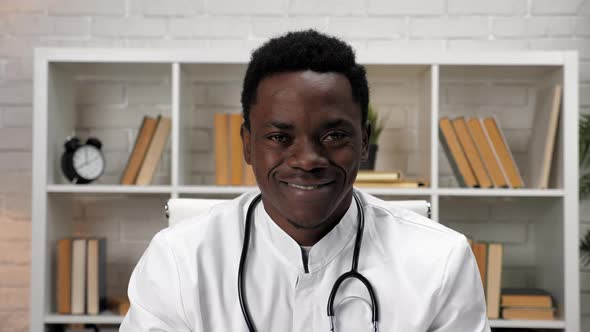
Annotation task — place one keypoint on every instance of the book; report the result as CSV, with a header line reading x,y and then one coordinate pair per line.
x,y
468,145
64,276
222,166
542,141
455,154
503,152
119,304
96,276
378,176
154,151
236,150
249,177
528,313
142,141
526,297
480,251
484,147
78,277
494,279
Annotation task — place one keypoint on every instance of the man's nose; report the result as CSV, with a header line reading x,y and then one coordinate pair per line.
x,y
307,155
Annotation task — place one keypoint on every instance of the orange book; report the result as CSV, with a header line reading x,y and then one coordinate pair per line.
x,y
236,150
494,279
526,297
487,153
154,152
503,152
480,251
222,176
249,178
144,136
455,154
64,276
528,313
468,145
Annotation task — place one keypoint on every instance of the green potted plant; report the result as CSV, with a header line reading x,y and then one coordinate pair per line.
x,y
584,183
376,129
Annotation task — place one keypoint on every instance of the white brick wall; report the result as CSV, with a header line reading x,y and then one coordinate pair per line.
x,y
112,109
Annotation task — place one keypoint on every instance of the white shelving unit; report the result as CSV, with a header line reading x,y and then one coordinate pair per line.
x,y
186,78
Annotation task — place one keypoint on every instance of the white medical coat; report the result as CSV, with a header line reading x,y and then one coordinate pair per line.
x,y
424,275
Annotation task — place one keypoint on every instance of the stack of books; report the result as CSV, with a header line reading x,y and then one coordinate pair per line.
x,y
489,257
386,179
478,153
527,304
147,151
81,276
230,166
481,158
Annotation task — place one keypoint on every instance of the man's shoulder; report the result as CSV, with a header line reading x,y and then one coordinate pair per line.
x,y
392,220
214,224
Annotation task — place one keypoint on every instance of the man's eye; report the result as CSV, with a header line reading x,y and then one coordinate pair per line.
x,y
278,138
334,136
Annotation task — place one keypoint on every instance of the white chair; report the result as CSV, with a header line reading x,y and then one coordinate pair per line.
x,y
181,208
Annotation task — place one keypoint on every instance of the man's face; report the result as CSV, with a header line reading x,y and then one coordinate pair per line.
x,y
305,144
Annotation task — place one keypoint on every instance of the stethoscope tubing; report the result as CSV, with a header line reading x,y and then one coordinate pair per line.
x,y
353,273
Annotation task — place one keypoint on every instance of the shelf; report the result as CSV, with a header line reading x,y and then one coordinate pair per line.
x,y
108,189
83,319
500,192
237,190
107,92
117,319
528,324
216,190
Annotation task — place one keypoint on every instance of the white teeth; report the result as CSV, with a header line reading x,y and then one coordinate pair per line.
x,y
303,187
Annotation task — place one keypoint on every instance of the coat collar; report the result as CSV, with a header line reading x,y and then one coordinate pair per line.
x,y
322,253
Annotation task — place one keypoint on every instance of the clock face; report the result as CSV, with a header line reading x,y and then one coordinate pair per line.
x,y
88,162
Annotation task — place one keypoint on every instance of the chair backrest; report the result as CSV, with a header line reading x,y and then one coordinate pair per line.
x,y
181,208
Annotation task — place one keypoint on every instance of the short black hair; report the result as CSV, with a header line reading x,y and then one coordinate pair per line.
x,y
304,50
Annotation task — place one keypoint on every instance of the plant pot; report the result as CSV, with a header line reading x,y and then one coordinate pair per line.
x,y
369,164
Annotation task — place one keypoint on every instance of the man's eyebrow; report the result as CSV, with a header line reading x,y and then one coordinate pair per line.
x,y
279,125
337,123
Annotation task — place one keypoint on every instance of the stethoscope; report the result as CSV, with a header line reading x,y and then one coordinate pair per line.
x,y
353,273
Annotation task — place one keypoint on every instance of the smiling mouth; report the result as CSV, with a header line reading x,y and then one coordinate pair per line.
x,y
307,187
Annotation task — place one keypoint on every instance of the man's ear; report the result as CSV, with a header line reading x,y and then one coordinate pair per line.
x,y
245,134
366,139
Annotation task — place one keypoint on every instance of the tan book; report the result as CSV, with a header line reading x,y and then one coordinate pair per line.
x,y
222,166
526,297
78,276
378,176
529,313
542,142
468,145
480,251
236,150
119,304
503,152
249,177
95,276
494,279
484,147
64,276
144,136
155,151
455,154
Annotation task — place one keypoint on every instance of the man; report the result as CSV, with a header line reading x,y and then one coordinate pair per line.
x,y
305,106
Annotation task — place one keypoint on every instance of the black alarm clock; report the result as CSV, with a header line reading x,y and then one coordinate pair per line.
x,y
82,163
